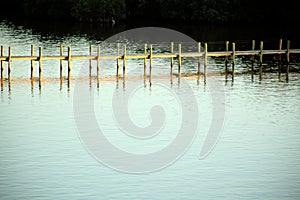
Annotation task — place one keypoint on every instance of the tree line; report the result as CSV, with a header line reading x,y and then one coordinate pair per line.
x,y
210,11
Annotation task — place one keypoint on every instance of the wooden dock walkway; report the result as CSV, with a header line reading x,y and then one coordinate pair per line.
x,y
147,55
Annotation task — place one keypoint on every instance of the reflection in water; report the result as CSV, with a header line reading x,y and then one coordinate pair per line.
x,y
144,78
2,85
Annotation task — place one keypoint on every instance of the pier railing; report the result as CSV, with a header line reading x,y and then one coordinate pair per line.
x,y
202,52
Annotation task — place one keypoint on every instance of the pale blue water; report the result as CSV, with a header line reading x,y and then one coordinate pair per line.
x,y
42,156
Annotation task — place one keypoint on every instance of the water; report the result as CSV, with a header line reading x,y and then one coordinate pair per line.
x,y
43,156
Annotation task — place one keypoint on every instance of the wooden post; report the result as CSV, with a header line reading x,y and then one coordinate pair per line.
x,y
9,61
253,58
118,61
124,62
288,60
150,63
90,60
145,66
226,58
199,58
199,63
205,62
40,63
233,60
179,60
2,63
32,63
280,57
172,59
69,63
145,61
61,62
261,59
98,66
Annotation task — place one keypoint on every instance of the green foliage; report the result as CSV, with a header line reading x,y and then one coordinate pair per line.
x,y
97,10
221,10
184,10
47,8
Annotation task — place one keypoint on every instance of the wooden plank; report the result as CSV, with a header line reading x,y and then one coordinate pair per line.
x,y
219,53
294,51
147,56
192,54
36,58
266,52
164,55
247,53
136,56
81,57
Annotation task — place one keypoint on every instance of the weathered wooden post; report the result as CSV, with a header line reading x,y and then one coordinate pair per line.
x,y
179,60
40,63
205,62
2,64
150,63
280,57
98,66
199,59
9,61
69,63
32,64
145,61
90,60
124,62
118,61
172,59
261,59
226,58
233,61
61,51
252,59
199,63
288,59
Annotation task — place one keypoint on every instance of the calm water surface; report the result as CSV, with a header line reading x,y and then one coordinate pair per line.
x,y
42,156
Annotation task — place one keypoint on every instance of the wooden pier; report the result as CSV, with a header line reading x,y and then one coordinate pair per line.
x,y
202,52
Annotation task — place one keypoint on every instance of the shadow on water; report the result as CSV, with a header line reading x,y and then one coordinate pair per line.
x,y
55,30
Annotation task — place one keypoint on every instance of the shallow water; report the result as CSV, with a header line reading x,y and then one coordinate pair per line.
x,y
43,155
